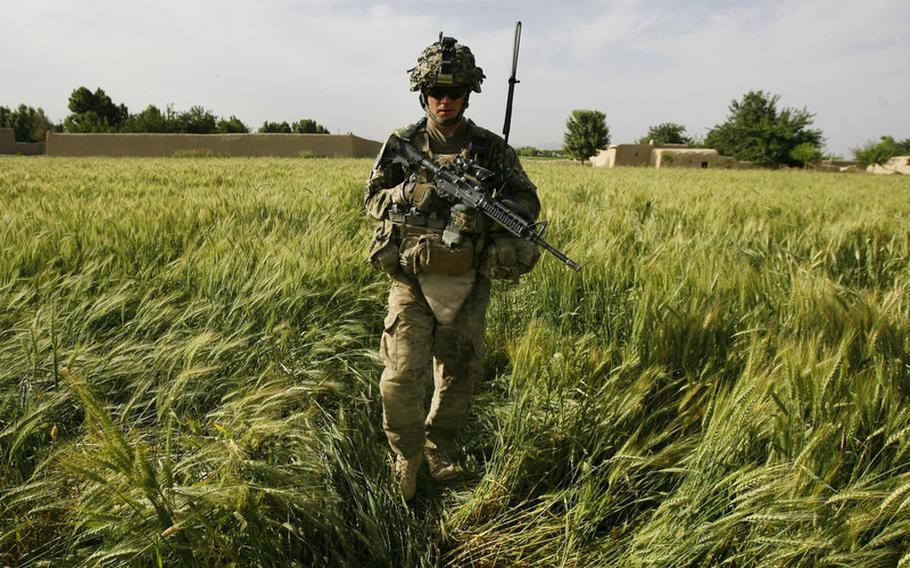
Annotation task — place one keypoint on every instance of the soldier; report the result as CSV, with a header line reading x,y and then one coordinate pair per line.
x,y
439,294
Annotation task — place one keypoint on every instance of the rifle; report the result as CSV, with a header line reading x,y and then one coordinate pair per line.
x,y
456,183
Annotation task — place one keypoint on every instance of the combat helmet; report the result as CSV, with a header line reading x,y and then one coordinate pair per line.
x,y
446,62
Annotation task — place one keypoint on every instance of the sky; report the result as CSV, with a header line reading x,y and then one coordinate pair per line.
x,y
343,63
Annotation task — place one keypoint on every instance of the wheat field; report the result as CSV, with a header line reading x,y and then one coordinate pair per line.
x,y
189,373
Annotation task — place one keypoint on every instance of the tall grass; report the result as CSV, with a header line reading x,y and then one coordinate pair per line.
x,y
188,373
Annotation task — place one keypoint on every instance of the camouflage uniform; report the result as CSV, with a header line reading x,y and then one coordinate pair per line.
x,y
421,333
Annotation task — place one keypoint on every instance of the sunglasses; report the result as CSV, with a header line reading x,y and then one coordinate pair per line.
x,y
440,93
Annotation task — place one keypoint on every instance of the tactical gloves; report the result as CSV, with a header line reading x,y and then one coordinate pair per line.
x,y
467,220
423,196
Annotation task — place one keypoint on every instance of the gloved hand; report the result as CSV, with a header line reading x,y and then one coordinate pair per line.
x,y
468,220
423,196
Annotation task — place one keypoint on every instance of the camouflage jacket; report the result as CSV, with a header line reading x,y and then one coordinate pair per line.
x,y
385,184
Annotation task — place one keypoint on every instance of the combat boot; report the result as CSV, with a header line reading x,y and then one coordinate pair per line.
x,y
406,473
441,467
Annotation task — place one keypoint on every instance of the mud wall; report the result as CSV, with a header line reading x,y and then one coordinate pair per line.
x,y
691,158
158,145
623,155
8,144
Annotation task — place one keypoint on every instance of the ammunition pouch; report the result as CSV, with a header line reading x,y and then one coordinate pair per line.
x,y
383,253
422,251
507,257
413,242
415,219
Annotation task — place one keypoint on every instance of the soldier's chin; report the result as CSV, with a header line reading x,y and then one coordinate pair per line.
x,y
447,121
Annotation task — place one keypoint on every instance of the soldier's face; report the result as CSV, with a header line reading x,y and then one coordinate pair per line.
x,y
445,102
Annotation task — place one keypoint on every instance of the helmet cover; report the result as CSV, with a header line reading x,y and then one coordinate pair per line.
x,y
445,63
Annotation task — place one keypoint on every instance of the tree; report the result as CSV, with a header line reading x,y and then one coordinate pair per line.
x,y
22,123
666,133
41,124
28,124
81,100
197,120
275,128
308,126
755,131
150,120
232,125
106,116
86,122
586,133
879,152
806,153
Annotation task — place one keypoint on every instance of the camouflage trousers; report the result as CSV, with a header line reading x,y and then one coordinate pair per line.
x,y
413,343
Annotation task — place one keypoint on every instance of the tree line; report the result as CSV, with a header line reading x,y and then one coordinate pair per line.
x,y
95,111
28,124
756,130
